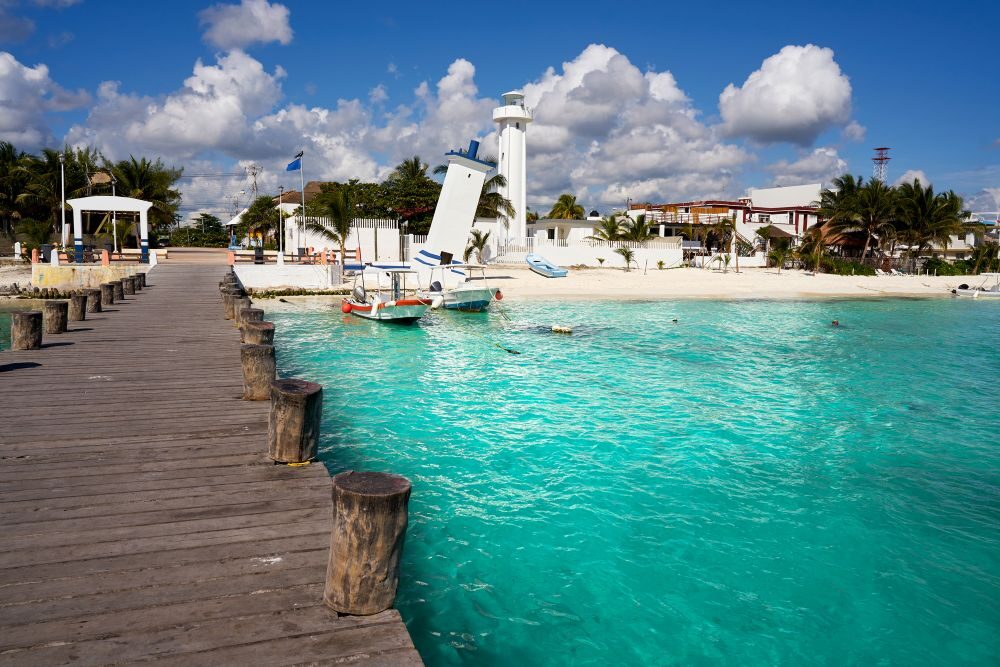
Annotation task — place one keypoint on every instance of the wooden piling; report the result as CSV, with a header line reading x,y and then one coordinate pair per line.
x,y
94,299
119,290
26,330
293,425
259,371
250,315
257,333
239,303
136,283
369,528
128,286
142,278
107,294
77,307
56,314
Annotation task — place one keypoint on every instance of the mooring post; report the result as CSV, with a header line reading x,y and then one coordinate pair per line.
x,y
56,313
370,513
77,307
239,303
94,298
142,278
257,333
259,371
107,294
249,315
136,283
127,285
119,290
26,330
293,425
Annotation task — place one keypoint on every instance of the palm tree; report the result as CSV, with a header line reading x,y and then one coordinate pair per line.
x,y
926,218
628,256
812,248
410,169
725,230
778,255
985,257
44,183
149,181
340,211
637,230
477,243
868,208
36,232
566,208
608,230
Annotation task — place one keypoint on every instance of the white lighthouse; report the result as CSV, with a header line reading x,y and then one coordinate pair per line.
x,y
513,118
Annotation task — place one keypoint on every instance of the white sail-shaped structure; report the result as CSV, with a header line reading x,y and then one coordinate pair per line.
x,y
455,212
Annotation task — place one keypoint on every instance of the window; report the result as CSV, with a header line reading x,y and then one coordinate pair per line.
x,y
764,217
517,125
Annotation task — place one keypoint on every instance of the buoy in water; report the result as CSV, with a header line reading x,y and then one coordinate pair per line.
x,y
561,330
498,296
345,307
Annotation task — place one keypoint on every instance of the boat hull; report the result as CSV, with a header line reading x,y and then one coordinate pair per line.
x,y
469,300
976,293
404,311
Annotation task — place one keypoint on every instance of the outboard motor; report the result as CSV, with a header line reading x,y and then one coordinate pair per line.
x,y
436,286
963,286
359,294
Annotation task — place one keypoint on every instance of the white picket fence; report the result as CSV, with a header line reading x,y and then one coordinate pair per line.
x,y
588,252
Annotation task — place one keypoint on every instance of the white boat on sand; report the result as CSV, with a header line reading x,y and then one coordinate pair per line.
x,y
983,291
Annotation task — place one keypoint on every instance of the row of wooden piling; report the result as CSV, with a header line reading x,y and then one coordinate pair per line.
x,y
28,327
370,509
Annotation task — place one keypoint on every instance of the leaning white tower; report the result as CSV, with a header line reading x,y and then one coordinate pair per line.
x,y
513,118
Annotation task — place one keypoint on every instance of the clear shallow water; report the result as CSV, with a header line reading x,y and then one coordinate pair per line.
x,y
747,486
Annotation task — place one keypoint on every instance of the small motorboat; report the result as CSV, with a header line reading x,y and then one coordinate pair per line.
x,y
388,302
472,295
982,291
544,267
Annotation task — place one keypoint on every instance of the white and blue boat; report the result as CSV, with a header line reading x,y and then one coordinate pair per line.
x,y
544,267
473,295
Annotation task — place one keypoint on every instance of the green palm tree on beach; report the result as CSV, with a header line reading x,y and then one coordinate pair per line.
x,y
337,226
477,243
925,218
637,230
627,255
725,230
566,208
608,229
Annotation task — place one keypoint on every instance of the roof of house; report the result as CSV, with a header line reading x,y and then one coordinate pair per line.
x,y
313,188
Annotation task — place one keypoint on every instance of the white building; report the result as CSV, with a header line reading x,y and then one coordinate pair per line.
x,y
513,118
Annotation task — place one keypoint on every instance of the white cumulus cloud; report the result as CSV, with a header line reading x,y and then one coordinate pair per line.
x,y
607,132
26,93
795,95
250,22
821,165
854,131
911,175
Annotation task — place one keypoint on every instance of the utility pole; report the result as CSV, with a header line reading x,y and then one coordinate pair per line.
x,y
252,172
62,174
281,234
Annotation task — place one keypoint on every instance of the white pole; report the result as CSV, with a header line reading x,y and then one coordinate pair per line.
x,y
114,218
62,173
281,234
302,180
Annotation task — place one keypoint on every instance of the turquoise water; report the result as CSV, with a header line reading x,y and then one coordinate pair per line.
x,y
747,486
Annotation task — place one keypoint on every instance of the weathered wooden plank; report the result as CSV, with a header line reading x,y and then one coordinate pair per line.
x,y
142,520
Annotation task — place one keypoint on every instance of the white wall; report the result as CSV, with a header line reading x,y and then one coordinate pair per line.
x,y
363,235
570,254
792,195
290,276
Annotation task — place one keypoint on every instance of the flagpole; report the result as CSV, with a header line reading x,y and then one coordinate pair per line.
x,y
302,180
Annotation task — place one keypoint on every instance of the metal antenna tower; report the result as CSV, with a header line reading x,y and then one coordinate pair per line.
x,y
881,162
252,172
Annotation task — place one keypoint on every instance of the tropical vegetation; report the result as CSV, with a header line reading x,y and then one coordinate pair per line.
x,y
566,208
31,192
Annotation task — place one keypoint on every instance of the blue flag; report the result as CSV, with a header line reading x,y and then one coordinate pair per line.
x,y
294,165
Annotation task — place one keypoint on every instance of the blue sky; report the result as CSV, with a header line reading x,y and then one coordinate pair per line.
x,y
631,107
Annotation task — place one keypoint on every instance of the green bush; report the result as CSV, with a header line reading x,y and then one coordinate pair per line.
x,y
844,267
940,267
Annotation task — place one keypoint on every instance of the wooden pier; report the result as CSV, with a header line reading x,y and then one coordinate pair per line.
x,y
140,517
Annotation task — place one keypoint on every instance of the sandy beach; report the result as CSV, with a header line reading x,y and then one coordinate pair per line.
x,y
522,284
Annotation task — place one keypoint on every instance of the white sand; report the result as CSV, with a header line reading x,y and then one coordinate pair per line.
x,y
523,284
